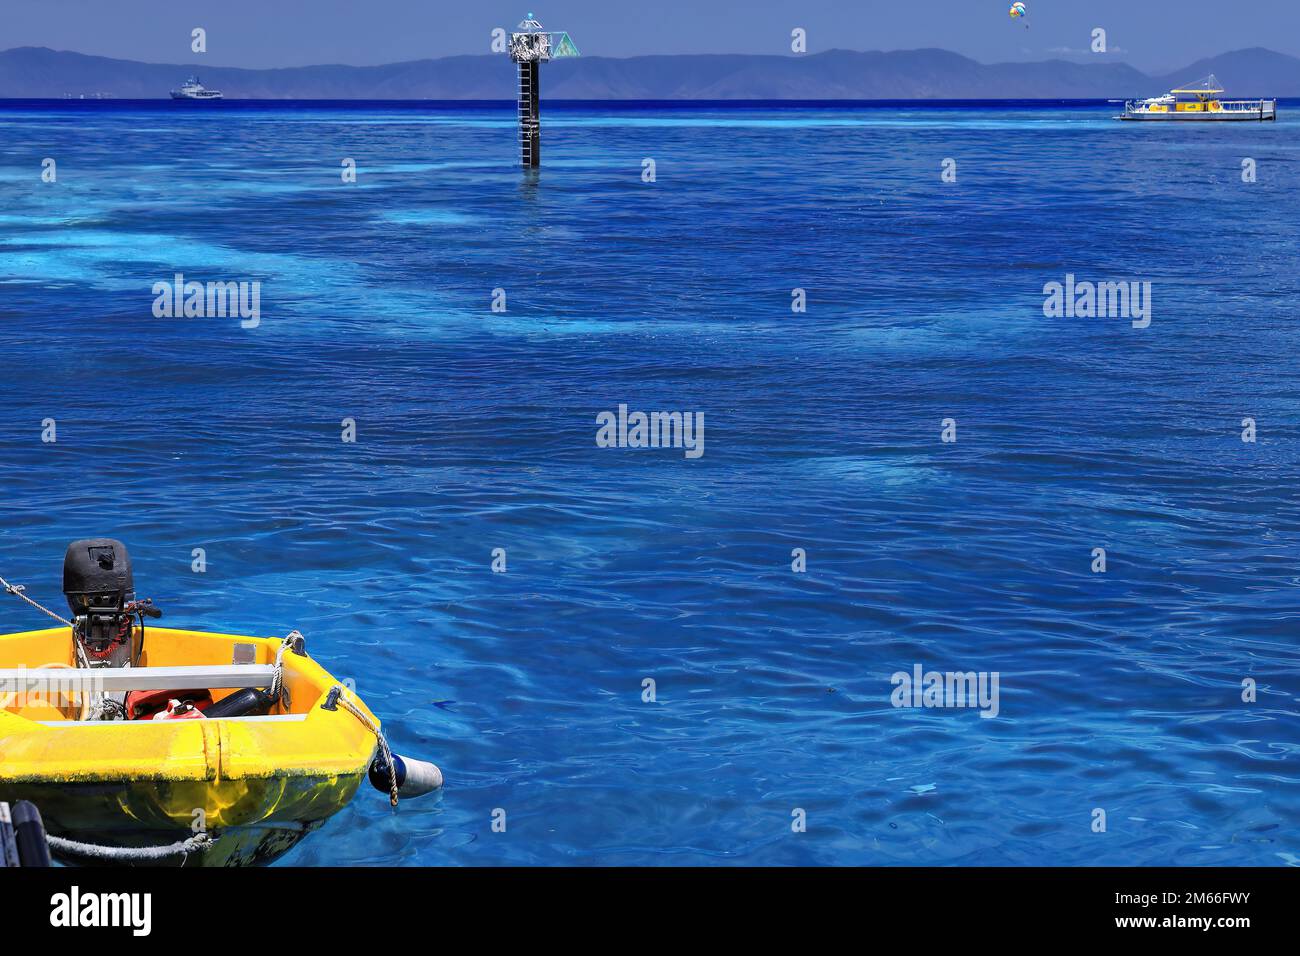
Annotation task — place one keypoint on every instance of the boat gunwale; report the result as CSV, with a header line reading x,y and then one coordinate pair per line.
x,y
321,743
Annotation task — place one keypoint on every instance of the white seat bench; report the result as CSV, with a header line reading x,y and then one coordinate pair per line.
x,y
263,719
112,680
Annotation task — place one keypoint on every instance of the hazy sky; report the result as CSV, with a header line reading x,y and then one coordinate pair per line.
x,y
1151,34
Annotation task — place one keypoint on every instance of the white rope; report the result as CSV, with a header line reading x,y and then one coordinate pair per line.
x,y
277,679
126,854
17,591
277,686
379,736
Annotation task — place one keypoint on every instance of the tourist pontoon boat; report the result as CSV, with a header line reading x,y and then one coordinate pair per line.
x,y
1198,101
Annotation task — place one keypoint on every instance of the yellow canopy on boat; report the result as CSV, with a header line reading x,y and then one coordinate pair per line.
x,y
1206,87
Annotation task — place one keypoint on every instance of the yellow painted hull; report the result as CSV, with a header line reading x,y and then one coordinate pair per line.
x,y
257,786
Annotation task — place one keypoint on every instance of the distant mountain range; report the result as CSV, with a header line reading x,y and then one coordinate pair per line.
x,y
836,74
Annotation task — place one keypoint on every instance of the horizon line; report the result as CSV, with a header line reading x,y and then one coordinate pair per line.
x,y
1078,58
512,104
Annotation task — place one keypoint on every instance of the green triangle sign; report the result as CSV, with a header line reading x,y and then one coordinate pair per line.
x,y
561,45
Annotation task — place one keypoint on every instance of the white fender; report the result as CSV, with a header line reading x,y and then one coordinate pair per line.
x,y
415,778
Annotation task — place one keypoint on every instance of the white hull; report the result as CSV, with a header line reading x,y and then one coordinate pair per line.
x,y
1199,103
1190,117
192,89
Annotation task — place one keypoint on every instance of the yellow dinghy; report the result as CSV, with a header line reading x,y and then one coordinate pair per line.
x,y
176,746
257,785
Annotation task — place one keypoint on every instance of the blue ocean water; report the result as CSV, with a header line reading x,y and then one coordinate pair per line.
x,y
476,430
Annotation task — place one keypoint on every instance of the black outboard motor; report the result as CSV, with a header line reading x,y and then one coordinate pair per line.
x,y
100,588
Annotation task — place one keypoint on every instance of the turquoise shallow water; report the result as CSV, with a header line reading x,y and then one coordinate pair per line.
x,y
476,430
